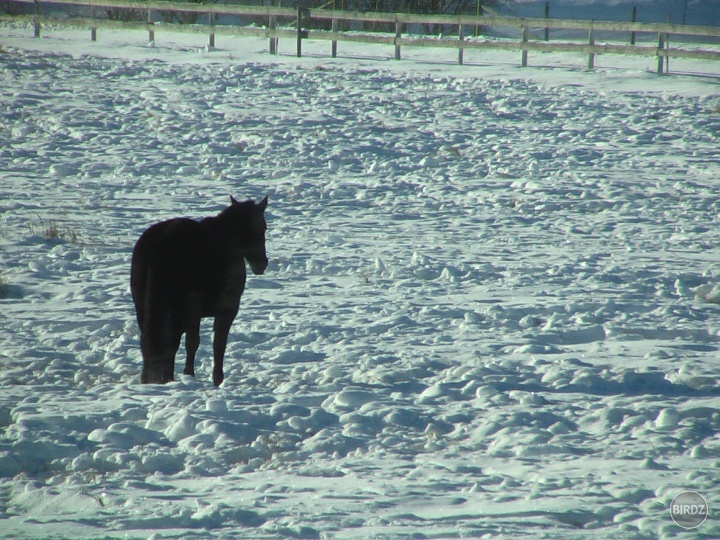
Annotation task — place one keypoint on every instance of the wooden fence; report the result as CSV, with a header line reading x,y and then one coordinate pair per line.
x,y
298,20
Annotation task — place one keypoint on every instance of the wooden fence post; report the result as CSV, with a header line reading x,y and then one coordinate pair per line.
x,y
591,56
300,12
461,44
36,19
151,30
633,18
547,16
334,41
524,60
93,28
661,60
211,22
667,46
272,25
398,35
477,14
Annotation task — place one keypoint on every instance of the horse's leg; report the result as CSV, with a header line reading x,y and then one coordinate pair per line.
x,y
159,355
159,363
192,342
151,360
221,329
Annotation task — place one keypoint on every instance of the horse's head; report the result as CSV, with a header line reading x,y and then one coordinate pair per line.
x,y
250,226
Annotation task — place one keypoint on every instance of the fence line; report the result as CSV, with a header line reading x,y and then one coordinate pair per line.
x,y
301,17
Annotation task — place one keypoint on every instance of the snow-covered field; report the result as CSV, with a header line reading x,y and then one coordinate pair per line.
x,y
491,308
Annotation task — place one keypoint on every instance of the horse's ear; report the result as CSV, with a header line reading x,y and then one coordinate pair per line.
x,y
232,200
263,204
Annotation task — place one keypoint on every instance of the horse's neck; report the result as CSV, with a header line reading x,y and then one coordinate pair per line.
x,y
220,230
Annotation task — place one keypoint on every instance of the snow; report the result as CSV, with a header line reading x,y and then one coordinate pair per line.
x,y
491,308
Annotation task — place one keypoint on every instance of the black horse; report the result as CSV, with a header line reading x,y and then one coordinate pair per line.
x,y
183,270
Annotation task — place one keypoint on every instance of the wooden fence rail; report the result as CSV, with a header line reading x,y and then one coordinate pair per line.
x,y
300,18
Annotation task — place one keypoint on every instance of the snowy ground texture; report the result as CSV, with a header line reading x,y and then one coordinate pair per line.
x,y
491,309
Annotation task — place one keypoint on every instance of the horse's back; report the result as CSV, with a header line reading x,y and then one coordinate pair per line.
x,y
176,238
171,260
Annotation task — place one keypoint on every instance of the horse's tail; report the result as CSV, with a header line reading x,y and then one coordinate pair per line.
x,y
159,337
